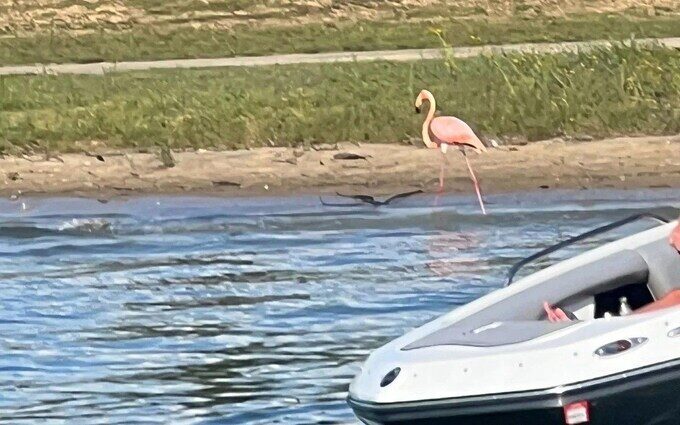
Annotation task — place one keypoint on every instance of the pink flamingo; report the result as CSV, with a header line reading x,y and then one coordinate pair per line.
x,y
442,132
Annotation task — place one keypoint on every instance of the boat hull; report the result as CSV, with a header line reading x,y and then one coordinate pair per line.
x,y
645,396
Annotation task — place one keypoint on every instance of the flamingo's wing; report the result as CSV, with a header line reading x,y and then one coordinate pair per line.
x,y
454,131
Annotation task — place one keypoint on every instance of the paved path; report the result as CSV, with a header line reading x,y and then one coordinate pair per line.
x,y
390,55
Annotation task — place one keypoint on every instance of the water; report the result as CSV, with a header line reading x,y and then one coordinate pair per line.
x,y
207,310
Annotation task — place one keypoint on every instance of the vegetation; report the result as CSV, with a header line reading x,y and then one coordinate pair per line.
x,y
169,42
604,92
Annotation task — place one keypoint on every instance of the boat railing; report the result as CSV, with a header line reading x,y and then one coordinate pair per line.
x,y
603,229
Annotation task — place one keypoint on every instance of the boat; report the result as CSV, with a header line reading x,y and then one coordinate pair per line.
x,y
497,360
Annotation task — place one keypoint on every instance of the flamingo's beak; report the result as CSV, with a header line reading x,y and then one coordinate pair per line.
x,y
417,110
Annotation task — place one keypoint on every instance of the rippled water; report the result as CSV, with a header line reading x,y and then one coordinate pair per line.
x,y
209,310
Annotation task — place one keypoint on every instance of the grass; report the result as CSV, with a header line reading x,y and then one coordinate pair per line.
x,y
166,42
604,92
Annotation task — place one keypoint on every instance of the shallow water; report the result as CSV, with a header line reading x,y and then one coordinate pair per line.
x,y
209,310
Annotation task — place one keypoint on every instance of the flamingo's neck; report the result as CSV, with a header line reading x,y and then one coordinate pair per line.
x,y
428,119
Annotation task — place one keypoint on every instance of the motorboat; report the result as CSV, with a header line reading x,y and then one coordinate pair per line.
x,y
497,360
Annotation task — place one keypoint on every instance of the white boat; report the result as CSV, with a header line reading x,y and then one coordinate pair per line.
x,y
497,360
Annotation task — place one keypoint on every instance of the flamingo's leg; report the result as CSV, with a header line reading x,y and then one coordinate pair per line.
x,y
441,176
441,168
474,180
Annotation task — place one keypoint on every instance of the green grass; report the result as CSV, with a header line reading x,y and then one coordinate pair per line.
x,y
605,92
158,42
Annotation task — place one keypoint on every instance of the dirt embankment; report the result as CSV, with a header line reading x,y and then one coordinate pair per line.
x,y
369,168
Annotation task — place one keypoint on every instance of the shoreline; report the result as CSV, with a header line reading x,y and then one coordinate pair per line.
x,y
375,169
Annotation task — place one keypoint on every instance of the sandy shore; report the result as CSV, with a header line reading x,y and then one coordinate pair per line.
x,y
368,168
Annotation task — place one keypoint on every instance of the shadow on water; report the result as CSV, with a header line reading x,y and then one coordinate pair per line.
x,y
185,310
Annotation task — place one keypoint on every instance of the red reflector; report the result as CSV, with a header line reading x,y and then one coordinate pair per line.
x,y
577,413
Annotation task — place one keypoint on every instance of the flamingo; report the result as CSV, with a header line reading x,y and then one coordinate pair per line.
x,y
442,132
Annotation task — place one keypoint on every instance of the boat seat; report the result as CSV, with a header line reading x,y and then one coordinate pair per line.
x,y
622,268
664,267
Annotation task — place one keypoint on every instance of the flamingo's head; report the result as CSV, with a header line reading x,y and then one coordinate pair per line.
x,y
423,96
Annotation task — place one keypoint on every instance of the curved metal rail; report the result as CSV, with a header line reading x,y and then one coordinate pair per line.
x,y
515,268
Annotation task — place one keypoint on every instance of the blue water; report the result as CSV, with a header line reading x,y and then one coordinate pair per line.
x,y
209,310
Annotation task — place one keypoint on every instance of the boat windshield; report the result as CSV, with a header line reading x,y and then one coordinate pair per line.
x,y
572,245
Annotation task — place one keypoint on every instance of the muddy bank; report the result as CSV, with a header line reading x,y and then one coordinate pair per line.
x,y
368,168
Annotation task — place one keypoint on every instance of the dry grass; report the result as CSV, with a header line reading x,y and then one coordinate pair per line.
x,y
30,16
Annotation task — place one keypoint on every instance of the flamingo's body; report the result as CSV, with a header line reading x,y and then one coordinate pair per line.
x,y
451,131
442,132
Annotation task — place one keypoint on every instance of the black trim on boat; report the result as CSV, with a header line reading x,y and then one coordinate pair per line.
x,y
647,395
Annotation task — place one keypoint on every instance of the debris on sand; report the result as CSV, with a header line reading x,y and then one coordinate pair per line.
x,y
166,157
348,156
